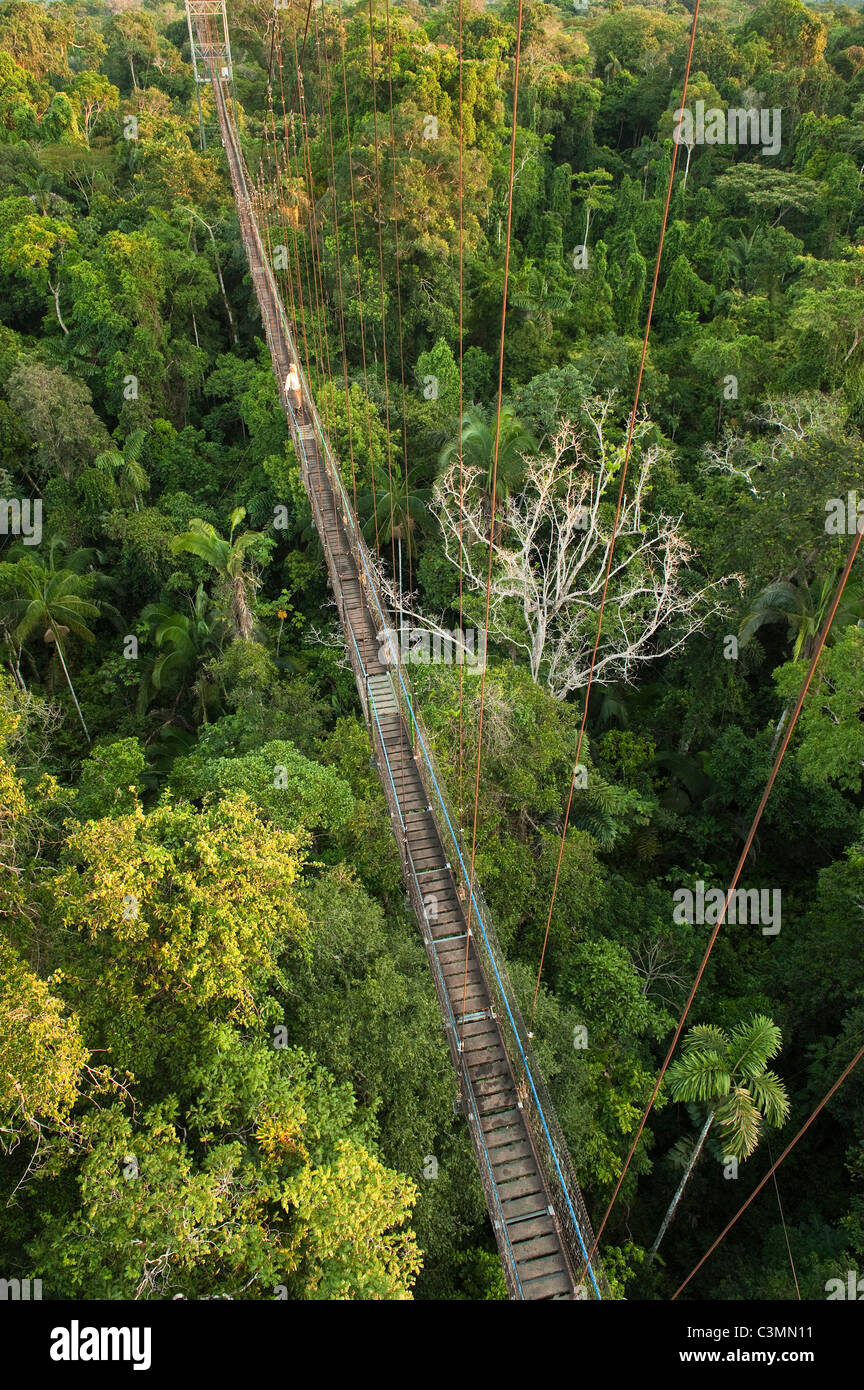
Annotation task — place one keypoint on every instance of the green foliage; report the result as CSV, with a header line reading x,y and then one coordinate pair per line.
x,y
267,1192
728,1073
110,779
830,740
42,1054
287,788
181,913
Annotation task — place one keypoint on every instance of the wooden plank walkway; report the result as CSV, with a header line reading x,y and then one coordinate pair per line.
x,y
533,1254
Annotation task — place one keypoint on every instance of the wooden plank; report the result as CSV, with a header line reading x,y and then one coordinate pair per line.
x,y
486,1090
474,1000
541,1268
547,1288
530,1229
495,1067
446,924
492,1051
454,970
527,1203
526,1250
496,1100
511,1144
506,1169
481,1028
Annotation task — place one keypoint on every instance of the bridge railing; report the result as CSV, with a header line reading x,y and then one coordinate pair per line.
x,y
538,1110
541,1119
421,910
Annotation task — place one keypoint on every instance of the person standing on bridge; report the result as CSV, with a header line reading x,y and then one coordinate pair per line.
x,y
293,390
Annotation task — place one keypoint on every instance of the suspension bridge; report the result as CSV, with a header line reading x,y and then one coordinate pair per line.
x,y
536,1209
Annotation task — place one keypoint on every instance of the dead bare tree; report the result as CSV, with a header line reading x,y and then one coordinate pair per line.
x,y
779,424
550,552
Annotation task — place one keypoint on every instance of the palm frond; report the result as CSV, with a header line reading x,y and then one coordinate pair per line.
x,y
738,1123
769,1093
702,1075
752,1044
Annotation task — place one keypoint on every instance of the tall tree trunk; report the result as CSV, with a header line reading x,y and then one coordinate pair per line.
x,y
687,168
69,681
228,312
242,611
55,290
697,1149
779,728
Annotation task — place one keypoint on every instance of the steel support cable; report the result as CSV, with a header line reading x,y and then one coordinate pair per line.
x,y
624,466
461,492
398,578
398,290
461,411
324,108
315,252
329,403
317,355
289,273
506,1006
300,240
371,586
357,270
271,25
336,482
444,994
317,284
283,178
496,448
301,308
773,1169
277,182
379,221
341,313
751,835
273,21
783,1224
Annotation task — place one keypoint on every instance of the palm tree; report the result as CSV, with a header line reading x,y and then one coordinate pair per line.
x,y
183,641
393,511
51,599
122,463
540,303
727,1074
735,256
804,611
398,507
476,443
228,558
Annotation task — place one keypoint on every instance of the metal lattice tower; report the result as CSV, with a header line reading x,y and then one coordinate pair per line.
x,y
208,40
210,47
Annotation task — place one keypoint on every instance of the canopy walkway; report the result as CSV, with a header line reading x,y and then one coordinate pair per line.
x,y
536,1208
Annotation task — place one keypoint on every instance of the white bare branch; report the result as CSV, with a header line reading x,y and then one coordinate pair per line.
x,y
551,548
